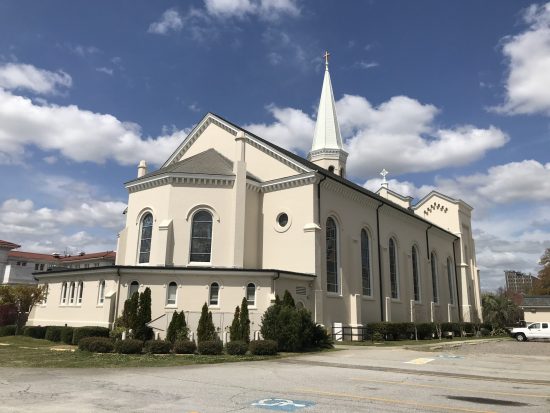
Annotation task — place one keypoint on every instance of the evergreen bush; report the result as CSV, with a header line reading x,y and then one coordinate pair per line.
x,y
89,331
34,331
67,335
184,347
236,348
206,330
263,347
129,318
210,347
142,331
53,333
235,329
425,330
157,347
96,344
7,330
177,330
129,346
244,322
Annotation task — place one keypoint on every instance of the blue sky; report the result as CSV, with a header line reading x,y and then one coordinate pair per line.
x,y
461,90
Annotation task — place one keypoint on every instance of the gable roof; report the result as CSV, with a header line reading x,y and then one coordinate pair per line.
x,y
107,255
445,197
536,301
6,245
30,256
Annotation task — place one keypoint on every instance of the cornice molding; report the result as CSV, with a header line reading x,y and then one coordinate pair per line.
x,y
176,179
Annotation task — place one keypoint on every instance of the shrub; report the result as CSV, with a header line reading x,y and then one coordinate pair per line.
x,y
34,331
96,344
210,347
322,339
142,331
184,347
7,331
89,331
157,347
244,322
206,330
53,333
236,348
377,337
453,327
263,347
129,346
177,330
67,335
235,329
425,330
8,314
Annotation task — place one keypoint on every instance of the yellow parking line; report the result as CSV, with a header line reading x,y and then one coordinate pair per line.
x,y
469,389
392,401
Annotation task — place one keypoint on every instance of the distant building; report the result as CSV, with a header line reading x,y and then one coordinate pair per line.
x,y
518,282
536,308
18,266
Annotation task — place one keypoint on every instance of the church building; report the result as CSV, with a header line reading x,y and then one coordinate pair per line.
x,y
231,215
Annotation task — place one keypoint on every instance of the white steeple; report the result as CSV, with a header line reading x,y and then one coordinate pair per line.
x,y
327,149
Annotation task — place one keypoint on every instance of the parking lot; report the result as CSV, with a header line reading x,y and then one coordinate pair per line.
x,y
462,379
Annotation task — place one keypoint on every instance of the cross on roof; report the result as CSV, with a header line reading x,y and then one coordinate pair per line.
x,y
326,56
384,173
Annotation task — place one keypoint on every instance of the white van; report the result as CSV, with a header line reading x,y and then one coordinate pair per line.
x,y
531,331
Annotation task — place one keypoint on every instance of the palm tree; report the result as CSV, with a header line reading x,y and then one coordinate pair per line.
x,y
499,310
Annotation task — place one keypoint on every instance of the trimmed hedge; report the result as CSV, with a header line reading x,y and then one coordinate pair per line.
x,y
89,331
53,333
184,347
96,344
210,347
263,347
157,347
67,335
129,346
7,331
236,348
34,331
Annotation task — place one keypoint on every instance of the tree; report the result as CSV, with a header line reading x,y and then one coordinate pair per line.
x,y
142,331
288,300
244,321
235,329
542,285
499,310
129,318
177,330
206,330
25,297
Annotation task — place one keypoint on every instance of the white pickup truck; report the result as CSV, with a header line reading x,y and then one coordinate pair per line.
x,y
531,331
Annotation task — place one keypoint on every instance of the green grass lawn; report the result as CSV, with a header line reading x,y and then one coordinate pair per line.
x,y
30,352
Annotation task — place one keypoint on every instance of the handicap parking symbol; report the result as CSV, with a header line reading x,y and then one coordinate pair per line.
x,y
282,405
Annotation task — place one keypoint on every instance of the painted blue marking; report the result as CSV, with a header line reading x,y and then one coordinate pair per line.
x,y
282,405
449,356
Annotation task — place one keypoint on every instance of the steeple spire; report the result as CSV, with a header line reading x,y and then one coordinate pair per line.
x,y
327,149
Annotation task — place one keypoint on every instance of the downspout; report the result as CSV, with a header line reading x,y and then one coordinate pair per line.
x,y
428,243
380,261
319,199
275,279
456,283
117,296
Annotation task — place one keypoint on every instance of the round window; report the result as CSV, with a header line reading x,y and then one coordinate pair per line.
x,y
282,220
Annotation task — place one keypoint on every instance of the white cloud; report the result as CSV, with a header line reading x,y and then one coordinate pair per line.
x,y
106,70
292,129
365,65
169,21
265,9
77,134
18,76
528,56
400,125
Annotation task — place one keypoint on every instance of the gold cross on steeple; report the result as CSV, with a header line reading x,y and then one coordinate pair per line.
x,y
326,56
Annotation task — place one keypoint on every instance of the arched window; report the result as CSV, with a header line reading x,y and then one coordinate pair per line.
x,y
332,256
214,294
80,292
101,294
416,274
435,293
394,278
171,293
201,237
71,293
146,234
451,283
251,294
365,263
134,288
64,293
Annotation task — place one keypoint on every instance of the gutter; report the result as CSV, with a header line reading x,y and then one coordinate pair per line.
x,y
380,262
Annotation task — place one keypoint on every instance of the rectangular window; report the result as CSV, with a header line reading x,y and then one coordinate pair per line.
x,y
41,267
36,266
